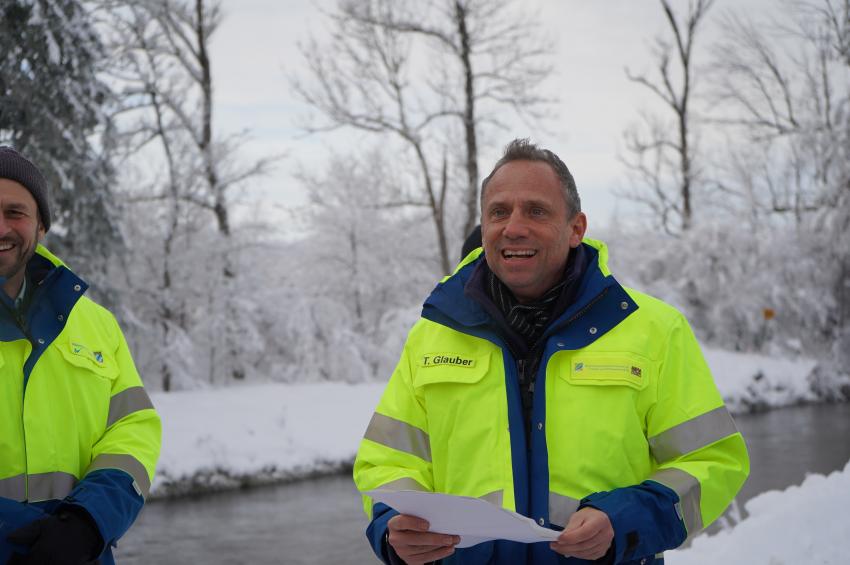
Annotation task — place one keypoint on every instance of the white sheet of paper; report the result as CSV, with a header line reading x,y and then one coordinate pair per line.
x,y
473,519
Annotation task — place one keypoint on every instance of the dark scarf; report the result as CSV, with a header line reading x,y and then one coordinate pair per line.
x,y
529,321
523,325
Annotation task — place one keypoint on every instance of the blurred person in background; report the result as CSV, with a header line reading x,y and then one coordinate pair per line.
x,y
79,437
535,381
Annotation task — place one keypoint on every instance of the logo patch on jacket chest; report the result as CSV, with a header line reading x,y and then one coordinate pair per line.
x,y
83,351
609,368
443,359
635,371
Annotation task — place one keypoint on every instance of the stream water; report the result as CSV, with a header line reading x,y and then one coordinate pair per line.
x,y
322,521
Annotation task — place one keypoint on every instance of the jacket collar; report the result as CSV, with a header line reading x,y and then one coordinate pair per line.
x,y
54,289
448,303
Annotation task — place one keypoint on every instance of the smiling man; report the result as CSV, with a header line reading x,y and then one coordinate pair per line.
x,y
577,402
79,437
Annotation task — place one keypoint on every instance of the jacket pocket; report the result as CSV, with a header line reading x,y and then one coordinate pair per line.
x,y
598,368
89,358
464,402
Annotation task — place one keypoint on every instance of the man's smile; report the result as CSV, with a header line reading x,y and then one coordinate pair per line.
x,y
518,254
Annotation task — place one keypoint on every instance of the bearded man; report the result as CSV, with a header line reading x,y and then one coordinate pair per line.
x,y
79,437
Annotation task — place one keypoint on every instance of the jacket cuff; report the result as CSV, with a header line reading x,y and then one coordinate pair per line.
x,y
108,496
376,533
644,518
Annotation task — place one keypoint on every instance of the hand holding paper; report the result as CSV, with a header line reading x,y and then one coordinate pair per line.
x,y
415,543
473,519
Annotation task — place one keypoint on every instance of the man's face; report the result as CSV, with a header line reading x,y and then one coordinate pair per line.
x,y
20,231
525,228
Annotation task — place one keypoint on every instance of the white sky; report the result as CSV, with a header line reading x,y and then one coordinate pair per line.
x,y
256,47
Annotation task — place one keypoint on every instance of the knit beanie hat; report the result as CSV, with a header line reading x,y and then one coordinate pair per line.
x,y
16,167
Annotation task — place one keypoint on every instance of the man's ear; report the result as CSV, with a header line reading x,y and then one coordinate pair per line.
x,y
577,229
41,231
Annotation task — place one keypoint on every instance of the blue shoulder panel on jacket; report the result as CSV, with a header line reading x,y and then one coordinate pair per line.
x,y
449,298
57,291
644,519
109,496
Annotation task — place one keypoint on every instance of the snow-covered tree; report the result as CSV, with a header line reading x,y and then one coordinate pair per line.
x,y
163,72
433,78
361,268
52,110
661,153
768,265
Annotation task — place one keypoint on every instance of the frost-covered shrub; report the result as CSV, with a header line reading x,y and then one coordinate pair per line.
x,y
771,290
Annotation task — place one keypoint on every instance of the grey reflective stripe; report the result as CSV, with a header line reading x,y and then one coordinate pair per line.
x,y
404,483
14,487
49,486
692,434
126,402
129,465
688,489
494,498
399,435
561,508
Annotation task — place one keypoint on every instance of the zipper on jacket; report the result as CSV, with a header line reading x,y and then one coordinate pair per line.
x,y
524,364
587,306
526,395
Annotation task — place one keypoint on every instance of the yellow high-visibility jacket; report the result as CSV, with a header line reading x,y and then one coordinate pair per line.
x,y
626,418
76,425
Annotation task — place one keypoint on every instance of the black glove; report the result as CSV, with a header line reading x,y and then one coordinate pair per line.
x,y
69,537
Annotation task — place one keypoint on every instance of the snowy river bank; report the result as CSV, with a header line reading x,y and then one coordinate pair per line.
x,y
240,436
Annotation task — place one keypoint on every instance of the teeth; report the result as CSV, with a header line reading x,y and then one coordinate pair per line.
x,y
5,246
523,253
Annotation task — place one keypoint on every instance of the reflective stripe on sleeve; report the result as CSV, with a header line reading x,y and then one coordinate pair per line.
x,y
561,508
37,487
126,463
688,489
126,402
692,434
405,483
398,435
49,486
14,487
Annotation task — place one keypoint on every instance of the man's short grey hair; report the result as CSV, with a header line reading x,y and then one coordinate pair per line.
x,y
525,150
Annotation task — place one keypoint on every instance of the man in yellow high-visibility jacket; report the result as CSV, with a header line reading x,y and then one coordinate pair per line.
x,y
535,381
79,438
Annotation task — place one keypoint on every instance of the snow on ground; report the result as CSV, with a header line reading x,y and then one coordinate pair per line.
x,y
226,438
749,381
802,524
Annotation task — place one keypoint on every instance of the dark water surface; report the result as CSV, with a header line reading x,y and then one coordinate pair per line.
x,y
322,521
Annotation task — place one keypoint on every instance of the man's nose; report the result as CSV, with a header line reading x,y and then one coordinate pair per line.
x,y
4,226
516,226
